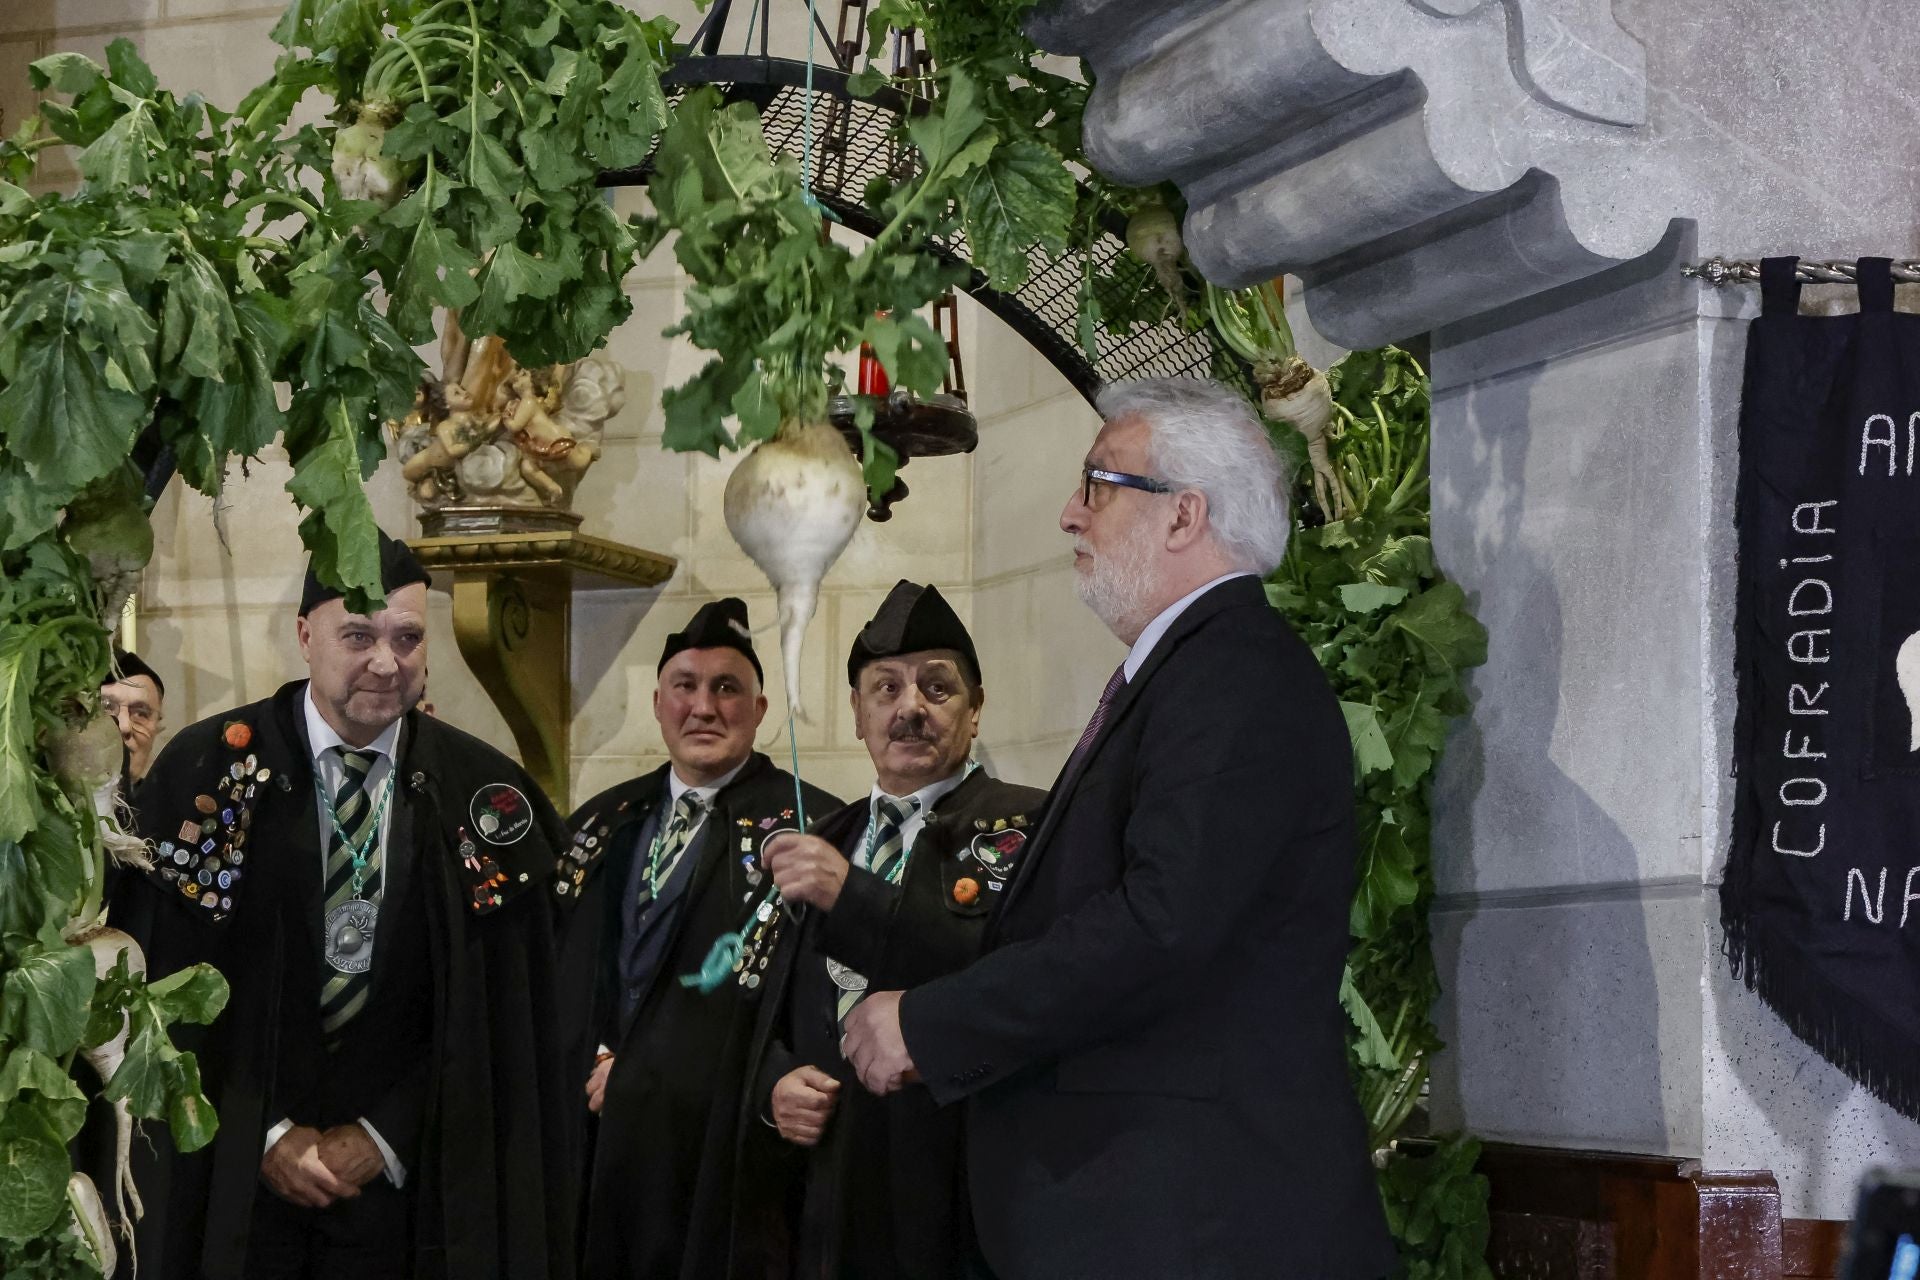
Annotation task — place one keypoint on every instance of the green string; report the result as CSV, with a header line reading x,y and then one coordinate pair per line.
x,y
729,947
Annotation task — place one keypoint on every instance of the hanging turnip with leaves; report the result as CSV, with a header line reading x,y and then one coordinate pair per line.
x,y
779,301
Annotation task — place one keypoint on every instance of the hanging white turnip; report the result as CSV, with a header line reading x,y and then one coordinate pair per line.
x,y
1253,322
792,504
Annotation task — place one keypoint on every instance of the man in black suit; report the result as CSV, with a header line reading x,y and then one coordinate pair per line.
x,y
1153,1052
370,881
897,888
660,867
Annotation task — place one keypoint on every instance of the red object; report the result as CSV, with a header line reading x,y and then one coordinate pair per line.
x,y
237,735
965,890
873,374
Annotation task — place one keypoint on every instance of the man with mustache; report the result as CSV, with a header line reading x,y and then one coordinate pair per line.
x,y
897,889
659,868
387,1071
1152,1053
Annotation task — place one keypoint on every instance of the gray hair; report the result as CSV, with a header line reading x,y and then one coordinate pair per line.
x,y
1208,437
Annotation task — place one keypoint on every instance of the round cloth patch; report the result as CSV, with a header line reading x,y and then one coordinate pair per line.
x,y
500,813
997,850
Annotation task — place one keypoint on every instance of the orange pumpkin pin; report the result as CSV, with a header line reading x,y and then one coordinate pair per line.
x,y
965,890
237,735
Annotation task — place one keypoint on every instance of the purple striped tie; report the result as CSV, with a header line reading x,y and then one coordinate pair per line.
x,y
1092,730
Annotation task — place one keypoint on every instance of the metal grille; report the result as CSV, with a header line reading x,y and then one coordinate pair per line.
x,y
852,146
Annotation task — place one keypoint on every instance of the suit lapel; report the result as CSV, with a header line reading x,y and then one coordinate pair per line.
x,y
1232,593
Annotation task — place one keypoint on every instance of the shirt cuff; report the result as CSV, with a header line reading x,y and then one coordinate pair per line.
x,y
274,1135
396,1172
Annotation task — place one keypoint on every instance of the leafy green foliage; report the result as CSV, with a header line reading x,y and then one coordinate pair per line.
x,y
773,297
213,284
1395,640
1437,1209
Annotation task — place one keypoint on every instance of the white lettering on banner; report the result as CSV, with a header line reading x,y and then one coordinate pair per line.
x,y
1871,440
1808,597
1873,908
1805,750
1800,702
1816,508
1804,647
1820,844
1909,897
1795,607
1819,795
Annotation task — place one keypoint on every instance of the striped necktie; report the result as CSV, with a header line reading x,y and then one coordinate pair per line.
x,y
664,857
1099,720
887,858
345,994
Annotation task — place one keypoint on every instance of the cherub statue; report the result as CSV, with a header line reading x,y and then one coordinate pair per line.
x,y
489,433
548,451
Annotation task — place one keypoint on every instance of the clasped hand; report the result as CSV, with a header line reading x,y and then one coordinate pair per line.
x,y
314,1169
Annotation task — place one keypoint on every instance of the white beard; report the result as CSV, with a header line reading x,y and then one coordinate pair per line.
x,y
1118,583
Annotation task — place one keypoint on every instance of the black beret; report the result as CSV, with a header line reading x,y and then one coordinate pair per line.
x,y
911,619
127,665
399,567
719,624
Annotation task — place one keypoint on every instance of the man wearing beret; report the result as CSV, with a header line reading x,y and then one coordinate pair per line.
x,y
372,884
661,867
132,695
898,889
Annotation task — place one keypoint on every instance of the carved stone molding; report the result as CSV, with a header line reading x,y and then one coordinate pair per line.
x,y
1410,160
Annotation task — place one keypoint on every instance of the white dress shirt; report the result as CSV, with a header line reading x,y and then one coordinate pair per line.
x,y
921,803
1137,656
704,795
331,773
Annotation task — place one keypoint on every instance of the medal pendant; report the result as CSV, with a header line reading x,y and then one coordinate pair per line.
x,y
845,978
349,934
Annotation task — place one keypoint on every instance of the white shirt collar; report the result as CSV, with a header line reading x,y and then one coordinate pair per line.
x,y
321,738
923,800
1137,656
704,794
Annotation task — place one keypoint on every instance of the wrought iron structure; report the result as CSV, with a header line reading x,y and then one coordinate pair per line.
x,y
854,144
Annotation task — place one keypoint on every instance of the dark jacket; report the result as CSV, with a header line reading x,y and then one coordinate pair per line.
x,y
1153,1052
455,1059
885,1191
661,1189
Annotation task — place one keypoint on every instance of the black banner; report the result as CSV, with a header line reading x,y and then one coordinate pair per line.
x,y
1821,903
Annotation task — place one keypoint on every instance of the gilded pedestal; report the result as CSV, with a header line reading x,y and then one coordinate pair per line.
x,y
512,619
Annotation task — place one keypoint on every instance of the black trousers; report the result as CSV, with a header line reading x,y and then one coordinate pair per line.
x,y
365,1238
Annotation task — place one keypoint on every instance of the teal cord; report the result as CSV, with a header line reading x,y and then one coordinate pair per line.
x,y
806,146
728,947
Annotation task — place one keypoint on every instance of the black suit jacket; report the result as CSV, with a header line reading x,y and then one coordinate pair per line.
x,y
1154,1050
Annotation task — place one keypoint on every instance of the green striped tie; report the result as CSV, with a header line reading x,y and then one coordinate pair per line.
x,y
886,858
664,857
345,994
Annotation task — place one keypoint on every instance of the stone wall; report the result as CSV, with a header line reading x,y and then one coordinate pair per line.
x,y
216,612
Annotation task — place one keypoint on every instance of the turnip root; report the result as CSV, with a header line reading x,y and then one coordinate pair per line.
x,y
1253,322
106,945
1296,392
1153,234
85,755
359,168
90,1222
792,505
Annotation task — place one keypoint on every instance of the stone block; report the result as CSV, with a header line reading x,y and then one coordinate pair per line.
x,y
222,61
56,15
214,657
1565,503
1572,1020
637,493
17,98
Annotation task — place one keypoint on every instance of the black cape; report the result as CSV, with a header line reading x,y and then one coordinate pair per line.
x,y
490,1131
661,1187
885,1190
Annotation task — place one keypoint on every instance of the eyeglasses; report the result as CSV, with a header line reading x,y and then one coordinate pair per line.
x,y
1090,476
